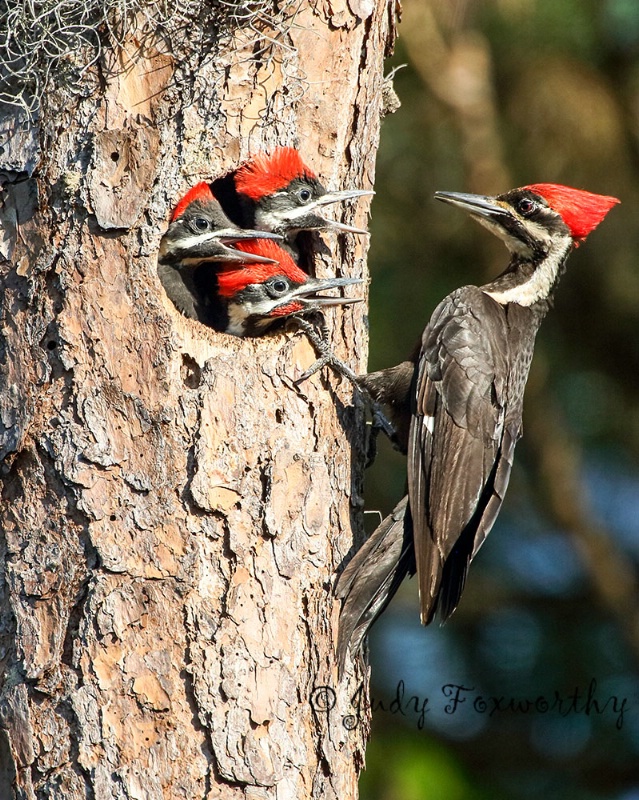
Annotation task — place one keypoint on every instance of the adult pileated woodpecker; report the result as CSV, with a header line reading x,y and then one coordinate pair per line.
x,y
457,404
279,193
251,298
200,235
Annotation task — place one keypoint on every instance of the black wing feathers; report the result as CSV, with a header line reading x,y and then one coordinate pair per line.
x,y
465,406
455,440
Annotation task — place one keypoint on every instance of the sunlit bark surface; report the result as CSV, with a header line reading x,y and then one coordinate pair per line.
x,y
174,508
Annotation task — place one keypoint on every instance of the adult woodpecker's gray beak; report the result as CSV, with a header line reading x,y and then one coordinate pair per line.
x,y
494,214
478,205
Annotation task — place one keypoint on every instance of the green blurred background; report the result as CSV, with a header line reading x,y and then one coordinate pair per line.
x,y
497,94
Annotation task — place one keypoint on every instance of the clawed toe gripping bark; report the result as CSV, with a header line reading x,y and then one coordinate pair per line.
x,y
318,336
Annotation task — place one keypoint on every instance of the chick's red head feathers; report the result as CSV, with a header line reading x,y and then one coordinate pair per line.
x,y
232,281
201,191
264,174
581,211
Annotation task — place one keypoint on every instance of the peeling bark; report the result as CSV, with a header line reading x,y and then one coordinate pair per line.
x,y
174,509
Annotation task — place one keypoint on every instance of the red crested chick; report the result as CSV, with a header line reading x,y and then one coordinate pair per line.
x,y
280,193
254,296
200,238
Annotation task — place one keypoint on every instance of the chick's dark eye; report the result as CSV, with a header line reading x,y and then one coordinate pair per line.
x,y
201,224
526,206
279,287
305,195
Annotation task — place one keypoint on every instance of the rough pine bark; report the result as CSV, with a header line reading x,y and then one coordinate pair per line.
x,y
174,509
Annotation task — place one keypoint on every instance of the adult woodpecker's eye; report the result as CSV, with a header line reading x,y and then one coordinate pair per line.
x,y
305,195
526,206
201,224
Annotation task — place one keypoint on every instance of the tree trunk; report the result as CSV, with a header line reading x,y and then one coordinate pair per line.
x,y
174,510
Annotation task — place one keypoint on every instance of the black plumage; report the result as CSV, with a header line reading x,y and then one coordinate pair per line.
x,y
457,408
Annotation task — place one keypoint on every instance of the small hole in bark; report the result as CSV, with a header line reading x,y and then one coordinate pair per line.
x,y
115,156
113,518
52,345
191,372
278,416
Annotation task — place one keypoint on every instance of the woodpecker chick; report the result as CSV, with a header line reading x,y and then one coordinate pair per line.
x,y
251,298
457,404
200,233
280,193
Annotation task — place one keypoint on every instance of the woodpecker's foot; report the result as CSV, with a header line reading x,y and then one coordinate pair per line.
x,y
371,446
315,367
379,424
319,340
328,360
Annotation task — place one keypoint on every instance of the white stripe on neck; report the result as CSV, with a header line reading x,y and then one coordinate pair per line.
x,y
239,314
237,319
540,283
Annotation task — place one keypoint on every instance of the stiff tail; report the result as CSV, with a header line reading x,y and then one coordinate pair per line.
x,y
372,577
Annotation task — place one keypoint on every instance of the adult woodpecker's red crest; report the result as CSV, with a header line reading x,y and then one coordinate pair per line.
x,y
458,403
231,281
266,174
201,191
581,211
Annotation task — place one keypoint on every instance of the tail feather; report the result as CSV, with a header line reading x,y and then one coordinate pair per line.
x,y
372,577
